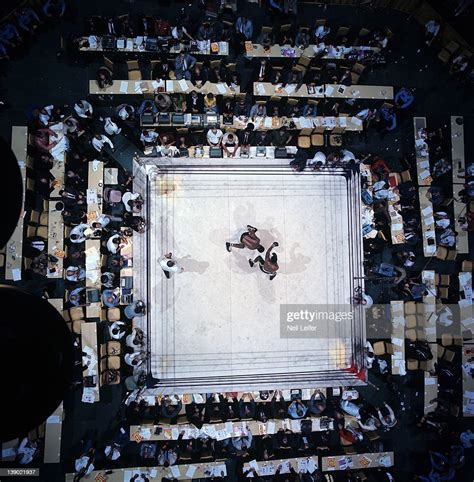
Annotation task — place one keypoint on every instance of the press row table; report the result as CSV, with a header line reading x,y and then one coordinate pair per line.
x,y
156,474
91,359
333,91
333,52
357,461
221,431
269,123
55,219
397,311
266,468
14,247
136,45
139,87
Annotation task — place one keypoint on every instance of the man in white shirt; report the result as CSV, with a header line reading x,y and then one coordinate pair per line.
x,y
230,144
83,109
169,265
321,32
110,127
84,465
214,136
116,242
132,202
99,140
26,451
318,161
117,330
124,111
149,137
77,233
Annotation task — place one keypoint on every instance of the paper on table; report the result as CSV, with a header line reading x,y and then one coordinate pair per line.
x,y
397,227
468,394
145,433
430,330
191,471
430,381
268,122
153,473
464,277
124,86
253,464
183,85
419,142
295,425
430,249
424,164
174,433
428,274
311,466
343,121
424,174
88,395
290,88
428,221
129,44
175,472
329,90
271,428
16,274
356,121
398,355
169,86
221,88
229,427
138,87
397,341
260,89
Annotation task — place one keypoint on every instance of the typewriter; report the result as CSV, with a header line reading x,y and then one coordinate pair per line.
x,y
109,42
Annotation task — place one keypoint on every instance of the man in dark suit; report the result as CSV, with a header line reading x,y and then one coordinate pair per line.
x,y
194,103
262,72
246,137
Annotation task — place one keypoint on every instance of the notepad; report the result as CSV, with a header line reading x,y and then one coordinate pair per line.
x,y
356,121
427,211
191,471
428,221
424,174
169,86
290,88
343,121
183,85
221,88
124,86
329,90
419,142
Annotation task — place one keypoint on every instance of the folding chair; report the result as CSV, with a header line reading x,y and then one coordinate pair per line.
x,y
134,72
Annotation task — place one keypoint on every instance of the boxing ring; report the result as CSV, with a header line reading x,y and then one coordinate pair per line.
x,y
222,325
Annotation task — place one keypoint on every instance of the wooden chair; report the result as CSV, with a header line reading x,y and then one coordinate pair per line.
x,y
410,321
441,253
342,31
320,22
43,220
304,138
317,136
111,362
76,326
133,69
304,61
448,355
413,365
447,339
34,217
42,231
379,348
231,67
215,64
410,334
448,51
111,348
113,314
358,68
410,308
292,101
355,78
443,292
335,137
267,30
467,265
76,313
442,279
286,27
